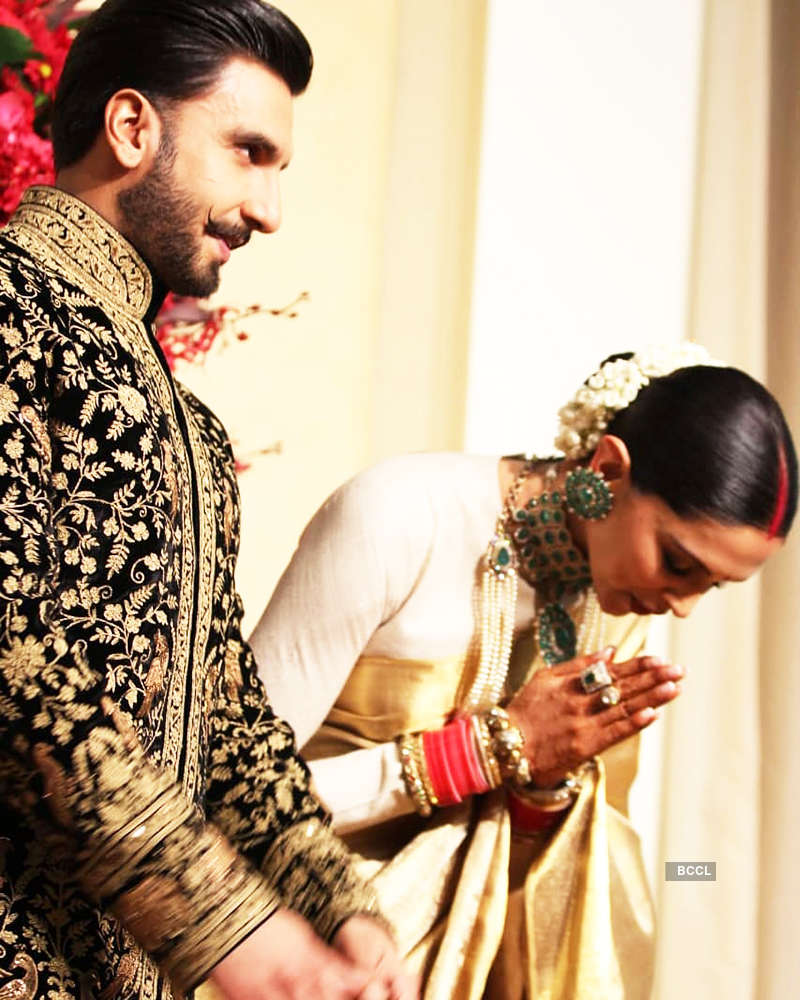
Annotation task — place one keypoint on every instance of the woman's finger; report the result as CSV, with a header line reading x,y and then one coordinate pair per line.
x,y
636,665
625,727
632,675
656,696
628,708
643,681
574,667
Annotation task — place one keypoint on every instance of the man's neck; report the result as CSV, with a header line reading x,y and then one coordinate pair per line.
x,y
90,182
101,197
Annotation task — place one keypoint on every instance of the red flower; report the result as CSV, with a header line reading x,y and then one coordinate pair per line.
x,y
15,114
11,83
25,90
25,158
10,20
50,45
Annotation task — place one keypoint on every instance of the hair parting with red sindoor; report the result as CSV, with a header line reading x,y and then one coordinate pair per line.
x,y
782,499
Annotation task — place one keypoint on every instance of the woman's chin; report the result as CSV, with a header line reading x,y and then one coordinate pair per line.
x,y
614,602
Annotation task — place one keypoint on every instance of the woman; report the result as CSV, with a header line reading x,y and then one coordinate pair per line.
x,y
433,587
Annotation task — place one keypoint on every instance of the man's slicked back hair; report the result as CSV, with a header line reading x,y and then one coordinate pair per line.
x,y
168,50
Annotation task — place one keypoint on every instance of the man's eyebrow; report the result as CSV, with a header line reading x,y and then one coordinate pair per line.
x,y
259,141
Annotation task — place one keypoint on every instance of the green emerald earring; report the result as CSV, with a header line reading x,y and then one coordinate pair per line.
x,y
588,494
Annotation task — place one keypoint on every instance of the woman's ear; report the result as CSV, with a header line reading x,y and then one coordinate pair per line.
x,y
132,129
612,459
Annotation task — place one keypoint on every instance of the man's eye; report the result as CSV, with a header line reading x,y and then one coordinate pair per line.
x,y
674,567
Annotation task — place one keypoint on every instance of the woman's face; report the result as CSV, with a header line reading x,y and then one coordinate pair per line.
x,y
647,560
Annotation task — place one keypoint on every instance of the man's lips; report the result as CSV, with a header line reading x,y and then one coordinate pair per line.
x,y
224,249
228,242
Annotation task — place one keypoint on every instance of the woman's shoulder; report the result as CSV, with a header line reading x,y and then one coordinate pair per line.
x,y
422,473
410,493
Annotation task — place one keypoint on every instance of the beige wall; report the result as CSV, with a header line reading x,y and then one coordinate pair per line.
x,y
378,228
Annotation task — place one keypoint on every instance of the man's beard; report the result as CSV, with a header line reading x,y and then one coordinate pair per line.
x,y
161,222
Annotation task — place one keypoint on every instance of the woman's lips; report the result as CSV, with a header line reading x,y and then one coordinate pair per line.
x,y
640,609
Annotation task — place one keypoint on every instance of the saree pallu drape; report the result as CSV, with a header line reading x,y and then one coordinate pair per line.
x,y
481,910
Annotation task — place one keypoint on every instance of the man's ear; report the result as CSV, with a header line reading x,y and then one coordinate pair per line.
x,y
133,129
612,459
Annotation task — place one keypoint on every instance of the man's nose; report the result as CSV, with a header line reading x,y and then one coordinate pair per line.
x,y
263,211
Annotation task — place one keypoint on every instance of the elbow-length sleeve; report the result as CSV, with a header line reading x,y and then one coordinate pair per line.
x,y
357,562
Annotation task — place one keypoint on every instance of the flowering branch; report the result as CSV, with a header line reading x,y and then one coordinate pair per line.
x,y
187,329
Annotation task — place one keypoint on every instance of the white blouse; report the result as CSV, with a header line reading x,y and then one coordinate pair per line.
x,y
387,567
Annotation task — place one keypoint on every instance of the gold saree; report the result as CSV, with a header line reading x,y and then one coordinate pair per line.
x,y
478,909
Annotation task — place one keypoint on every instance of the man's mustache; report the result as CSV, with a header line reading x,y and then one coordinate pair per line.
x,y
234,236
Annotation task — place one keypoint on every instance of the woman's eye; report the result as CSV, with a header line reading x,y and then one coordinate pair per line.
x,y
673,566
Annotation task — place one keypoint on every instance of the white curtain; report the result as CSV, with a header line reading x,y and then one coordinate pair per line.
x,y
732,746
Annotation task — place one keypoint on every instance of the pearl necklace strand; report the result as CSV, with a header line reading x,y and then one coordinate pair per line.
x,y
498,599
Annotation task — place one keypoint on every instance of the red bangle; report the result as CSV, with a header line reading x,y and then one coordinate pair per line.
x,y
471,763
452,761
438,767
452,749
527,818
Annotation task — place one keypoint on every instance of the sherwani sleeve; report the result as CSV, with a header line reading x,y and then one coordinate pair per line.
x,y
71,760
259,796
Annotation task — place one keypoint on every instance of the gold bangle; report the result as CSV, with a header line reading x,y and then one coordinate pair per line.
x,y
422,770
488,758
508,746
411,775
547,799
555,799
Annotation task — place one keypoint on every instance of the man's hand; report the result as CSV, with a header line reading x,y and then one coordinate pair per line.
x,y
285,960
366,943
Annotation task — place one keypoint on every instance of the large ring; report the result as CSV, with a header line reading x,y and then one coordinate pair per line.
x,y
595,677
609,696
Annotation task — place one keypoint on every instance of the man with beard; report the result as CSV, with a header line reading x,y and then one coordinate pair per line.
x,y
156,823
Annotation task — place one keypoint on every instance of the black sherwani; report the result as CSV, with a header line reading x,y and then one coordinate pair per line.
x,y
153,811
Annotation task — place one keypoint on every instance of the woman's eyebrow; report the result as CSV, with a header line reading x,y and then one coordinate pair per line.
x,y
689,554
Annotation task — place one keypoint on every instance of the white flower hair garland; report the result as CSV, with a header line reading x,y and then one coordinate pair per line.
x,y
615,385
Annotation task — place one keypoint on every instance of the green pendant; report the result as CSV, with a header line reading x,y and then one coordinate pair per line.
x,y
499,556
557,637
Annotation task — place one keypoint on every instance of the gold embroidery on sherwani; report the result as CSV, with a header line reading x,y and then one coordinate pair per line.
x,y
120,728
122,983
156,674
23,988
203,608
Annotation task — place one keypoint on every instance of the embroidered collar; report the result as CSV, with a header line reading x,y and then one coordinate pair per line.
x,y
63,232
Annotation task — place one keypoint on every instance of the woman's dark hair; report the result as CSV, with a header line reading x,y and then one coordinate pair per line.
x,y
712,442
169,50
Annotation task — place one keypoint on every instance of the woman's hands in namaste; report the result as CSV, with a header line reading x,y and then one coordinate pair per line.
x,y
564,726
